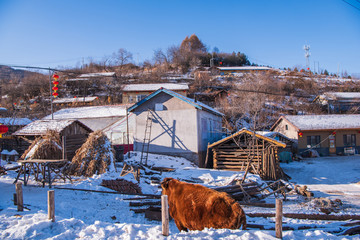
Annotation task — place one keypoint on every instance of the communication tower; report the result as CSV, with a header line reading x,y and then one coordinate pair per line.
x,y
307,56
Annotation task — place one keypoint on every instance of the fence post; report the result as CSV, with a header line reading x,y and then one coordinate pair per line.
x,y
15,199
165,215
51,205
278,218
19,195
64,147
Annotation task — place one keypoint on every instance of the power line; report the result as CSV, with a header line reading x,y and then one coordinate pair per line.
x,y
351,4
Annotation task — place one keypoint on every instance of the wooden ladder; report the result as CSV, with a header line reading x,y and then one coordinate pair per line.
x,y
147,138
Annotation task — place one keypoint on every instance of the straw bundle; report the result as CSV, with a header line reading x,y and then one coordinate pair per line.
x,y
45,147
93,157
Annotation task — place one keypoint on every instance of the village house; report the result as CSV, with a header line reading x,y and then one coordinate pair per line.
x,y
247,150
327,134
339,102
73,132
132,93
171,124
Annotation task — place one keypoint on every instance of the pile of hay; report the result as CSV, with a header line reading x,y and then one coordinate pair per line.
x,y
45,147
93,157
121,185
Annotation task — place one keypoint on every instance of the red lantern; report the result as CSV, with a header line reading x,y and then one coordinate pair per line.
x,y
301,134
55,82
3,129
333,133
75,97
55,94
55,88
55,76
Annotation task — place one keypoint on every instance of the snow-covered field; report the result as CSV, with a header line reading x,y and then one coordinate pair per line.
x,y
90,215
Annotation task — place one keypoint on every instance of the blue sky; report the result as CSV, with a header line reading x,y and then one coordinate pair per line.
x,y
51,33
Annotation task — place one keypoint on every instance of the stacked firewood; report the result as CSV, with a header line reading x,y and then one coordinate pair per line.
x,y
121,185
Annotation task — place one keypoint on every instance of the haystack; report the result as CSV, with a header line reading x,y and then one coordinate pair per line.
x,y
93,157
45,147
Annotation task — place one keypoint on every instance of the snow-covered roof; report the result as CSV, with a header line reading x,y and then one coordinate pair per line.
x,y
40,127
155,86
244,68
340,95
90,112
77,79
324,122
191,101
99,74
74,100
274,135
15,121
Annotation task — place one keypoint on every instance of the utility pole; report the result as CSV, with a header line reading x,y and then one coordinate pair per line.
x,y
51,96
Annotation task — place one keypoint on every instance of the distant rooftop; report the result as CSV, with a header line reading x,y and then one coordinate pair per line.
x,y
74,100
244,68
15,121
101,74
324,122
337,95
155,86
77,79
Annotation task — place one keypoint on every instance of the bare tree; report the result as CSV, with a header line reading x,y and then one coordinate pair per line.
x,y
122,57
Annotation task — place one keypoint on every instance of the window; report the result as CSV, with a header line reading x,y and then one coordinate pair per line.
x,y
159,107
349,139
313,141
131,99
286,127
140,97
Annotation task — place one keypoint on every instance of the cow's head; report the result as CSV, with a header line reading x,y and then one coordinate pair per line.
x,y
166,184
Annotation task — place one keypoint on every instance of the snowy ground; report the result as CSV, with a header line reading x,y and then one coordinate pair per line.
x,y
88,215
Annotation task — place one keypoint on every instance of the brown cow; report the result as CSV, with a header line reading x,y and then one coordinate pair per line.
x,y
196,207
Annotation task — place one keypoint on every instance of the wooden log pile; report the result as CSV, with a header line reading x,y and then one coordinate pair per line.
x,y
121,185
241,192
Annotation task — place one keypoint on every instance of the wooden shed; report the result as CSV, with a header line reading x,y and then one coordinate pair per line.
x,y
73,132
247,150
